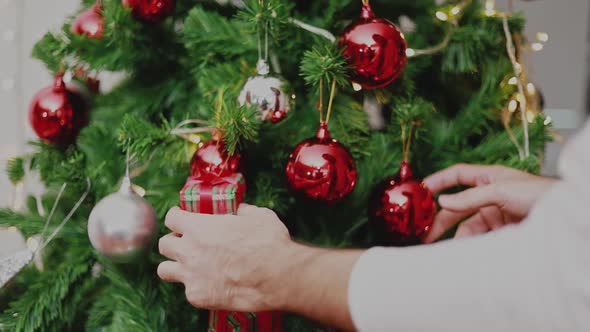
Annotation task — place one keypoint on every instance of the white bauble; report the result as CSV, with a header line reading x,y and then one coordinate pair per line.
x,y
123,225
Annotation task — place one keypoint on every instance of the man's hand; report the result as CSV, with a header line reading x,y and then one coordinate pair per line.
x,y
500,196
249,263
226,262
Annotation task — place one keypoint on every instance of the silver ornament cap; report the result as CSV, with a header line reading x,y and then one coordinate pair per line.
x,y
123,225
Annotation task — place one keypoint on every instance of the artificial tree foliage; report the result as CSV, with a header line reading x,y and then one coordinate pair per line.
x,y
192,66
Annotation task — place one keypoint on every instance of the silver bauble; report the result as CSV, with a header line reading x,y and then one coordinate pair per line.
x,y
12,264
268,93
122,225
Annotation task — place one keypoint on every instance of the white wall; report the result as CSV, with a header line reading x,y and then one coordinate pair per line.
x,y
22,23
561,68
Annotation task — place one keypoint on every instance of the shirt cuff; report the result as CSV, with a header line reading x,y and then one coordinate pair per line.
x,y
360,296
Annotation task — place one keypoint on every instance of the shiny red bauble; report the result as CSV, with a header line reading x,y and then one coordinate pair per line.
x,y
89,23
57,114
152,11
401,209
322,168
375,49
211,160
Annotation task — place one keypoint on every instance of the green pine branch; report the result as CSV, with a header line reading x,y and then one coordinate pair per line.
x,y
49,302
15,169
325,63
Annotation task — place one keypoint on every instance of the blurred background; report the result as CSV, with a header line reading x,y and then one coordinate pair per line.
x,y
560,69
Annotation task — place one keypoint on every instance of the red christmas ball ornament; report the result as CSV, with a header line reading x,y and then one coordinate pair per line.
x,y
57,114
151,11
401,209
211,160
322,168
376,50
90,22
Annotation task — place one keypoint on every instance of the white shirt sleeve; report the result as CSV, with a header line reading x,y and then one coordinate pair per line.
x,y
531,277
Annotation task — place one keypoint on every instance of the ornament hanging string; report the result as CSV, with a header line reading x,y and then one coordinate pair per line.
x,y
266,28
14,263
407,138
70,214
65,220
321,104
330,101
185,133
260,57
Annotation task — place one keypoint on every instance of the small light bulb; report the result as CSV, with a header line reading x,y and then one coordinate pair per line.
x,y
513,81
410,52
356,87
442,16
512,106
543,37
530,88
537,47
548,120
456,10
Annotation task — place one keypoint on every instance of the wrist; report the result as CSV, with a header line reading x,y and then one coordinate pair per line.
x,y
284,277
313,282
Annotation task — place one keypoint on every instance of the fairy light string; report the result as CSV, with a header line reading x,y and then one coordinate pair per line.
x,y
453,18
510,49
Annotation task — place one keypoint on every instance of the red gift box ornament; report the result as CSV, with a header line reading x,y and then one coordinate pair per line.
x,y
222,195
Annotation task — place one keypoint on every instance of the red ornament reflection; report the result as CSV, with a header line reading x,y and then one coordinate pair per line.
x,y
90,22
322,168
376,50
57,114
211,160
152,11
401,209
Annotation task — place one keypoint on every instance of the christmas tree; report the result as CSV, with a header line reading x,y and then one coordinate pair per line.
x,y
454,89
